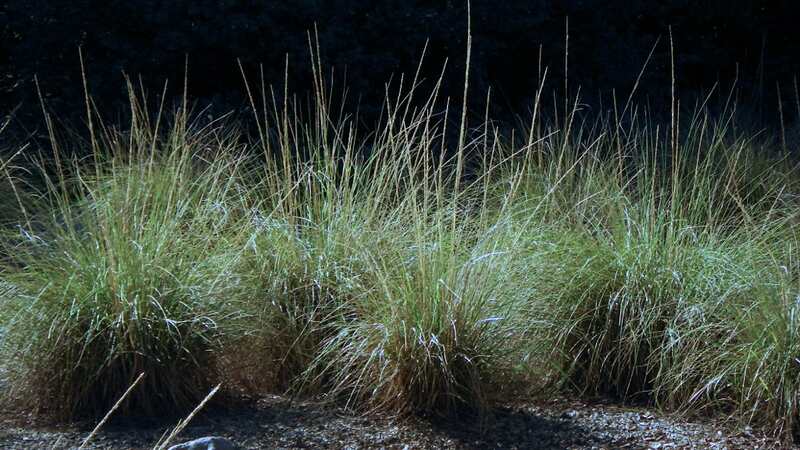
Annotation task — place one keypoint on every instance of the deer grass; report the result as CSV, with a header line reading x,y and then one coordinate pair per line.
x,y
128,271
399,271
661,271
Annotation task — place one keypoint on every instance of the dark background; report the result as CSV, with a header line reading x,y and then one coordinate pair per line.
x,y
716,41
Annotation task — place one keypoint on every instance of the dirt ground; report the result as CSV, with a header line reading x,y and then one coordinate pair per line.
x,y
279,423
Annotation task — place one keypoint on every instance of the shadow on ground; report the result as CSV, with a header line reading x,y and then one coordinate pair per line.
x,y
278,423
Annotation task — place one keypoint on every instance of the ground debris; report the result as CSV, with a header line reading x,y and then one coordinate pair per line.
x,y
275,422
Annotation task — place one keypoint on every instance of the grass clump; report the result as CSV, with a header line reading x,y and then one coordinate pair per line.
x,y
431,336
128,271
654,273
371,267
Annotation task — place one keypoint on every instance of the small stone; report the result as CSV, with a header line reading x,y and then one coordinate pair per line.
x,y
206,443
569,414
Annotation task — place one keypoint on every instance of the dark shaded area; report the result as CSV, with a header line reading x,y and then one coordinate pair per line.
x,y
716,41
276,422
281,424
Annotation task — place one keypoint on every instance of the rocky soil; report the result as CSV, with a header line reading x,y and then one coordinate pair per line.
x,y
277,422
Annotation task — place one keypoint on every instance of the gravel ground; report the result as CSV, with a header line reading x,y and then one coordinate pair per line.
x,y
276,422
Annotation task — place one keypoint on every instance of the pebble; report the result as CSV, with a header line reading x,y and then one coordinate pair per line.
x,y
281,424
206,443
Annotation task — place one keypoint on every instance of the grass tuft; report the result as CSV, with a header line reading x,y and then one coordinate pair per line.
x,y
400,271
